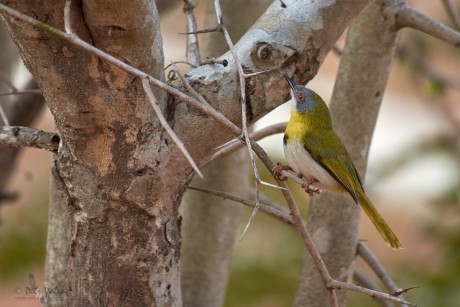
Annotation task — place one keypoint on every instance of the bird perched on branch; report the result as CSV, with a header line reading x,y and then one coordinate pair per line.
x,y
314,151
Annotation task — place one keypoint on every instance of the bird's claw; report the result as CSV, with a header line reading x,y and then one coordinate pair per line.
x,y
277,169
308,186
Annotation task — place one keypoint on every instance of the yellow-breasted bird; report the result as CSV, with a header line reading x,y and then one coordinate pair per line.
x,y
314,150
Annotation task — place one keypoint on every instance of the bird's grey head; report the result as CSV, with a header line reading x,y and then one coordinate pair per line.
x,y
302,97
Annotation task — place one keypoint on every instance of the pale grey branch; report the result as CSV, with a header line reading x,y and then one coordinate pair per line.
x,y
362,279
193,48
367,255
406,16
17,136
270,209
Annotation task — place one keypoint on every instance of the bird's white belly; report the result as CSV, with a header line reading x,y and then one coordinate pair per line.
x,y
301,161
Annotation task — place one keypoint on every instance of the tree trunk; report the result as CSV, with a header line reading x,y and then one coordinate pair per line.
x,y
333,219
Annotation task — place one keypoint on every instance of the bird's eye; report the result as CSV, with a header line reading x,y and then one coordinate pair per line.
x,y
300,97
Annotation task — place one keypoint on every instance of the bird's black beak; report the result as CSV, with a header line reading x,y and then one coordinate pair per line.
x,y
290,81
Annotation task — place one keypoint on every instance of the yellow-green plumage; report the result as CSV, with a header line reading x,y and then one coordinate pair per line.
x,y
314,150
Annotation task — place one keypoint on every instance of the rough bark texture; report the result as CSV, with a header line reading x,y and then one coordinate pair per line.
x,y
333,220
210,224
121,175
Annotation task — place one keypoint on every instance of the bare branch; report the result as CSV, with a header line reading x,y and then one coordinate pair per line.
x,y
17,136
372,293
452,12
193,49
403,15
164,123
25,92
256,136
361,278
223,62
242,82
270,209
210,30
367,255
307,239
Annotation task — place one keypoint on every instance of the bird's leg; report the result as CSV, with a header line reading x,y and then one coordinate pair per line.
x,y
276,171
308,186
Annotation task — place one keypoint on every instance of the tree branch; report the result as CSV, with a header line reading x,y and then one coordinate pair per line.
x,y
361,278
193,49
367,255
28,137
272,210
256,136
403,15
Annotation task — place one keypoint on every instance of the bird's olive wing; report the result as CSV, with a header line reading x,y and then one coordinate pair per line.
x,y
337,162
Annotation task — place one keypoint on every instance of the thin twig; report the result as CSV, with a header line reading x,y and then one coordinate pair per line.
x,y
270,209
366,254
189,88
16,136
406,16
193,49
214,61
25,92
337,284
164,123
362,279
242,82
452,12
210,30
307,239
256,136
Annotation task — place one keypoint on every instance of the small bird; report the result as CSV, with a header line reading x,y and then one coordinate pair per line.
x,y
315,152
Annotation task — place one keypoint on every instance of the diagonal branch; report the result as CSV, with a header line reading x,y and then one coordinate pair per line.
x,y
367,255
267,208
256,136
17,136
164,123
403,16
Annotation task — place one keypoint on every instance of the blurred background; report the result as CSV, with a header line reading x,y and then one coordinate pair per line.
x,y
413,178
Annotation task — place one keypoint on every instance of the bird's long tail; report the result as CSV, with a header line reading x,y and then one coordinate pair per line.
x,y
385,231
